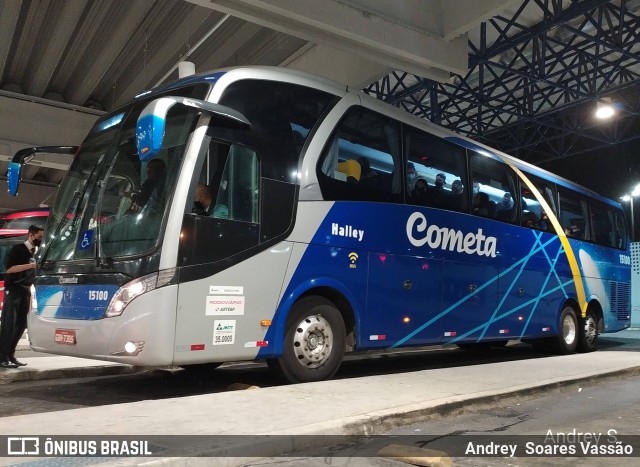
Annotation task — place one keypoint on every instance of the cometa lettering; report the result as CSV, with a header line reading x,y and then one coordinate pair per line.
x,y
445,238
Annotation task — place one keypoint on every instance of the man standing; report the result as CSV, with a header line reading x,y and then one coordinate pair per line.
x,y
17,295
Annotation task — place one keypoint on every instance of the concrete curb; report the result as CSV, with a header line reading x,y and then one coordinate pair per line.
x,y
8,376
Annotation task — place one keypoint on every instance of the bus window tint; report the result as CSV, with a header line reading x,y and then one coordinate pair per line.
x,y
226,208
493,189
362,160
620,233
237,193
604,224
573,214
533,214
435,172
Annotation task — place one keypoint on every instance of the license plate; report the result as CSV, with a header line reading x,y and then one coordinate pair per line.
x,y
65,336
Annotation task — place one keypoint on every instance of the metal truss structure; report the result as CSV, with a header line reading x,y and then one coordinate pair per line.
x,y
531,90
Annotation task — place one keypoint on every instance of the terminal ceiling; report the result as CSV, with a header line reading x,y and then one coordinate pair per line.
x,y
522,76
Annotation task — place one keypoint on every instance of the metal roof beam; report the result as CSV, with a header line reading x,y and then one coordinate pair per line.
x,y
342,25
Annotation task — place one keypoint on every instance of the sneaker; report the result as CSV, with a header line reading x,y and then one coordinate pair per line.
x,y
16,362
7,364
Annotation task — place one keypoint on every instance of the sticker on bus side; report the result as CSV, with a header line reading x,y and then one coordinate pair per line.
x,y
226,290
224,331
224,305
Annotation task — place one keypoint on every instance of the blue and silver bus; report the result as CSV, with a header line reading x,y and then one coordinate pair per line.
x,y
325,222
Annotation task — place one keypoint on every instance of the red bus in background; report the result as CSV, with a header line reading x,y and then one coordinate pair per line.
x,y
14,227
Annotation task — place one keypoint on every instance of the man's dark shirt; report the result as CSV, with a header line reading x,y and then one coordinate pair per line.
x,y
19,254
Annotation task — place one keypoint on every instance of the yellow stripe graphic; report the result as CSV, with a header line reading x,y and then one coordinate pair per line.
x,y
571,257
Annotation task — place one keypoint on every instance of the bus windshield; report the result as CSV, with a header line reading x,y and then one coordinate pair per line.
x,y
110,203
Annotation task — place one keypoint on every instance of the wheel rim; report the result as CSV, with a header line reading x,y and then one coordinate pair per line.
x,y
590,330
313,341
569,330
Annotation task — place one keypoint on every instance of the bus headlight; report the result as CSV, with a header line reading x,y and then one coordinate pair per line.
x,y
128,292
136,287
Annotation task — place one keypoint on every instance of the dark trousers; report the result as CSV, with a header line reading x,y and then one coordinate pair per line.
x,y
13,321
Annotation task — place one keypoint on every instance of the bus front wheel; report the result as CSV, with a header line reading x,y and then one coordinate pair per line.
x,y
314,342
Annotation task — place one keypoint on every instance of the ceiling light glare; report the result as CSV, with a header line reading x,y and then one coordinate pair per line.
x,y
604,109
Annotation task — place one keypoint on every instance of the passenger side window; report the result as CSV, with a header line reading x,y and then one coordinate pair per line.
x,y
493,189
228,184
533,214
620,233
608,225
362,160
435,173
225,206
573,214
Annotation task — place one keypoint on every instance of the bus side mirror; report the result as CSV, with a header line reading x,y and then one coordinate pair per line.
x,y
150,127
24,156
13,177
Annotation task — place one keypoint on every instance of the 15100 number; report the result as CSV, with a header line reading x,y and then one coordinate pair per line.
x,y
98,294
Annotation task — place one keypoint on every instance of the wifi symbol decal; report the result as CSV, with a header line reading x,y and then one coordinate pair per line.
x,y
353,256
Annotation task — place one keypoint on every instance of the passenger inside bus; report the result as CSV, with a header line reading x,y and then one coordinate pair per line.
x,y
156,169
420,192
411,176
545,222
439,196
351,169
530,220
457,195
482,205
368,176
202,201
574,231
506,208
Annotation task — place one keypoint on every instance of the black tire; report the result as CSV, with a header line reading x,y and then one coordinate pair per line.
x,y
566,341
588,333
314,342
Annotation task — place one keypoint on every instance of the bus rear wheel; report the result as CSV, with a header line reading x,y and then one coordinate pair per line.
x,y
314,342
566,341
588,333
